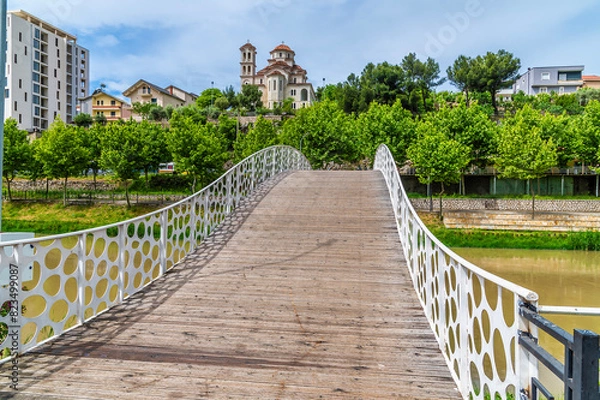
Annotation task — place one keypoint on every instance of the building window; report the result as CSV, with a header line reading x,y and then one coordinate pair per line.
x,y
154,100
59,105
20,118
561,90
304,95
293,92
570,76
20,83
20,36
56,44
25,97
6,93
58,63
36,99
37,33
15,58
57,52
113,103
25,50
58,83
16,107
294,106
113,113
36,66
36,77
36,44
55,73
36,88
36,111
545,76
99,102
57,95
544,89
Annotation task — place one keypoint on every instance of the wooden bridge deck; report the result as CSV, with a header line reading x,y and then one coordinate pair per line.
x,y
303,294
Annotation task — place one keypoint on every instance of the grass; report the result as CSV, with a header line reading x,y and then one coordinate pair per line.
x,y
54,218
500,239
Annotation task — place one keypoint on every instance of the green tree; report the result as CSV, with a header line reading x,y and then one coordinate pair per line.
x,y
460,74
494,71
154,149
84,120
142,109
221,103
17,153
100,119
586,128
421,76
61,151
198,149
262,135
470,126
523,152
122,152
324,133
208,97
231,96
92,140
250,97
437,158
157,113
391,125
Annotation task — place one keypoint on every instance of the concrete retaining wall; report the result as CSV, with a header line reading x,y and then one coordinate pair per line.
x,y
516,221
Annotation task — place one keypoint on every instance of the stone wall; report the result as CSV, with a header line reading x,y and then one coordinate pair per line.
x,y
582,206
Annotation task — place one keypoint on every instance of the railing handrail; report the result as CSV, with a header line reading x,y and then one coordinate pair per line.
x,y
460,307
95,269
142,217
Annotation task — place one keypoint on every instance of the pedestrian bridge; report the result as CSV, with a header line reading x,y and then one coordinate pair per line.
x,y
275,282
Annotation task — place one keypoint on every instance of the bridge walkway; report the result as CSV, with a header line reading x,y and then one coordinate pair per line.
x,y
303,293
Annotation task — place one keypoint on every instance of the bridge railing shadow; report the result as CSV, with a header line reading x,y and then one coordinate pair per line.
x,y
51,285
475,315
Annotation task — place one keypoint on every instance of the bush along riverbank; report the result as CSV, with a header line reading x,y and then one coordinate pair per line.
x,y
511,239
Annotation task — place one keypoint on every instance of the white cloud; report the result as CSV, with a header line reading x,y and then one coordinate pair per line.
x,y
193,42
107,41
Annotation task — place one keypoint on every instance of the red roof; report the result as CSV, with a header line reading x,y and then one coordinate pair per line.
x,y
282,47
591,78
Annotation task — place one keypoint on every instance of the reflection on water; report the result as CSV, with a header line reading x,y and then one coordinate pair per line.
x,y
560,278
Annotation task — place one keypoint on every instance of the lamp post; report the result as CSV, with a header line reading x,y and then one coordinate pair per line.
x,y
3,7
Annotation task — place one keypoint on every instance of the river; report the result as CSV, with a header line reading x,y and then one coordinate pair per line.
x,y
560,278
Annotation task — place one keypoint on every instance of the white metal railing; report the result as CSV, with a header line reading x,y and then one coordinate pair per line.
x,y
56,283
474,314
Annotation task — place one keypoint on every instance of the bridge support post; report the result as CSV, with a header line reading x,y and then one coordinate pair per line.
x,y
163,241
584,382
81,280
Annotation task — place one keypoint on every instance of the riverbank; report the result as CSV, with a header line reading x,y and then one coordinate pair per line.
x,y
503,239
54,218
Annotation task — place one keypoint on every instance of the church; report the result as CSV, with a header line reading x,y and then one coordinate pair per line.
x,y
278,81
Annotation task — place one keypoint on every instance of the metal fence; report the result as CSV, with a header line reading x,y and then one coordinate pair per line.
x,y
51,285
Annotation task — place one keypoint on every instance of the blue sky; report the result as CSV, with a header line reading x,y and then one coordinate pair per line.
x,y
191,43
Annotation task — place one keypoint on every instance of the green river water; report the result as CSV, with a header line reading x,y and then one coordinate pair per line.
x,y
560,278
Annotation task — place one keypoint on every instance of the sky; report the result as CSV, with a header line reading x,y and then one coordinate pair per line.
x,y
194,44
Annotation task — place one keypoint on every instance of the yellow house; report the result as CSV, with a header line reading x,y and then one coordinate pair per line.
x,y
102,103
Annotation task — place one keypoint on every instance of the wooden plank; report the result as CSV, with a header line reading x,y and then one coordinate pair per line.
x,y
302,294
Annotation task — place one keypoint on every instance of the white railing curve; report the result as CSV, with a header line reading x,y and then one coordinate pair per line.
x,y
53,284
474,314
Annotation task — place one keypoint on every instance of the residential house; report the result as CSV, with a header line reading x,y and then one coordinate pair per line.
x,y
561,80
591,81
102,103
145,92
281,79
47,71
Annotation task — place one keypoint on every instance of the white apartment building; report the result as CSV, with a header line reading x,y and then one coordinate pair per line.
x,y
46,70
